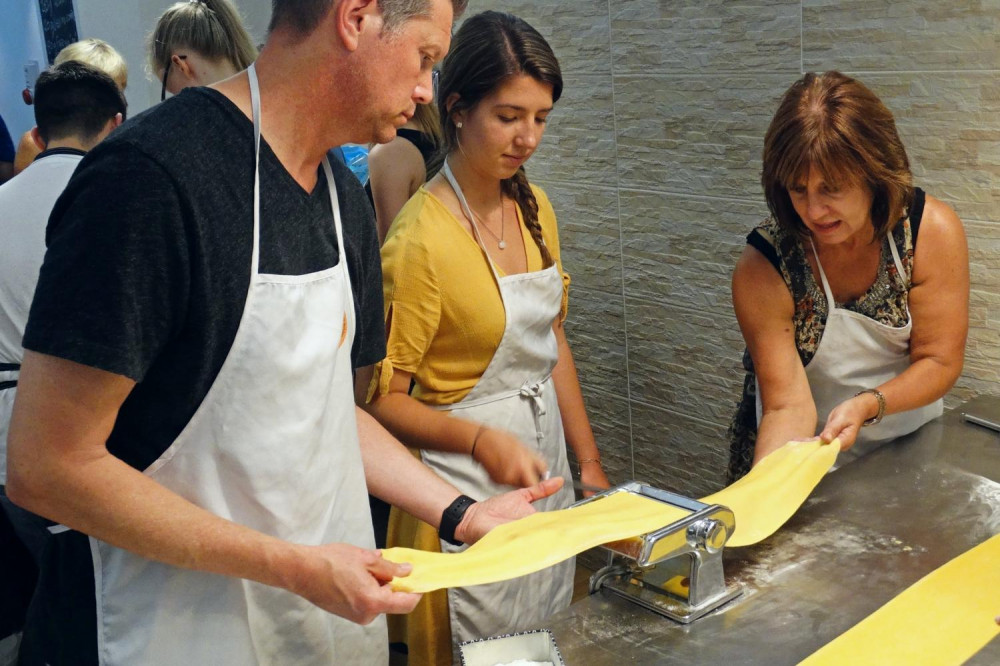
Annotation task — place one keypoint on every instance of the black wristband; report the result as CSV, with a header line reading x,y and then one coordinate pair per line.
x,y
452,516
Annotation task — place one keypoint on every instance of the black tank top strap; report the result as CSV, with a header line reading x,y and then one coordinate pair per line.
x,y
420,140
916,212
757,241
426,147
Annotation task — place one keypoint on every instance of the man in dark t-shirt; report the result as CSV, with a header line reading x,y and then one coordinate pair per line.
x,y
147,296
172,250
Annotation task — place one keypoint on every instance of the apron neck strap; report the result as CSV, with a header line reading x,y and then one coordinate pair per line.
x,y
830,303
450,177
327,171
899,264
255,110
335,206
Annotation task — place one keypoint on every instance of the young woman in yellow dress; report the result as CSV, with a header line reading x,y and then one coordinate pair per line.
x,y
475,299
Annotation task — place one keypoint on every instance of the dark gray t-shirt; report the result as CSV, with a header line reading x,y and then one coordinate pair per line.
x,y
148,260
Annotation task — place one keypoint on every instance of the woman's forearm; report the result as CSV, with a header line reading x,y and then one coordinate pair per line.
x,y
779,426
419,426
925,381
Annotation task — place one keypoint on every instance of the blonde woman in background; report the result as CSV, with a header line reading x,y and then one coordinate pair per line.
x,y
397,169
97,53
94,52
197,43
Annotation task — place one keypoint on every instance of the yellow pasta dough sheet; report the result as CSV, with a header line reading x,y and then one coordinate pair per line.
x,y
762,501
942,619
775,488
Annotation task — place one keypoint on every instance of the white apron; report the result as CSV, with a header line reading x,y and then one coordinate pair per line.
x,y
273,446
857,353
516,393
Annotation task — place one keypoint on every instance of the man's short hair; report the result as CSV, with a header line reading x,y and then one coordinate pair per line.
x,y
75,100
305,15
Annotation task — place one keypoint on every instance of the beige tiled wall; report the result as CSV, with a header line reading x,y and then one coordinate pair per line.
x,y
652,161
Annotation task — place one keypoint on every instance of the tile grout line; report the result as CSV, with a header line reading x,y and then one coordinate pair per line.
x,y
583,185
588,186
681,415
749,74
621,246
656,301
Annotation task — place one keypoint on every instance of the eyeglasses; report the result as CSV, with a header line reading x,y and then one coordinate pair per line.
x,y
166,73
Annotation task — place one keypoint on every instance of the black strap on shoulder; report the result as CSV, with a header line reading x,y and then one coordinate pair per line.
x,y
420,140
411,135
916,212
759,243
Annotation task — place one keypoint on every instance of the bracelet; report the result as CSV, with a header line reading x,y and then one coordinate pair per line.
x,y
475,440
452,516
597,460
881,405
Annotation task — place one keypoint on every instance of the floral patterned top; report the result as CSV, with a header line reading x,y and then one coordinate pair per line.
x,y
885,302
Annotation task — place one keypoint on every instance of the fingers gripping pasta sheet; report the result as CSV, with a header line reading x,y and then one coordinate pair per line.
x,y
762,501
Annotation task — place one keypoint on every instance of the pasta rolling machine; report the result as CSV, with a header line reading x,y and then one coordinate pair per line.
x,y
676,570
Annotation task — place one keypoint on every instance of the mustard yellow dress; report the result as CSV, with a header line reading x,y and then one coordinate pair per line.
x,y
444,321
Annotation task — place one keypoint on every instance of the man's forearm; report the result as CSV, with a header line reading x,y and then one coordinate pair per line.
x,y
60,468
397,477
107,499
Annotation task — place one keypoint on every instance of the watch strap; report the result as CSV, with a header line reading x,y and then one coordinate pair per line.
x,y
452,516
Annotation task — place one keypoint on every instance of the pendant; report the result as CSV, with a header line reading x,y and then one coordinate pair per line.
x,y
502,245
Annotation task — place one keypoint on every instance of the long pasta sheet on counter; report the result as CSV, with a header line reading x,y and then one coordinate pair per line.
x,y
761,501
941,620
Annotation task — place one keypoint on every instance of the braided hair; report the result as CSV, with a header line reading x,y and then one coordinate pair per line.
x,y
488,49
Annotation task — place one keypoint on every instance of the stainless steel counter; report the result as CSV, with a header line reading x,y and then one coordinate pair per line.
x,y
870,529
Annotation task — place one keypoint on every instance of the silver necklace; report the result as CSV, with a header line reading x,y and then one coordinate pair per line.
x,y
501,243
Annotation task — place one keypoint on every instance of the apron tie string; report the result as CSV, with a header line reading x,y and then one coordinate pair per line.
x,y
534,393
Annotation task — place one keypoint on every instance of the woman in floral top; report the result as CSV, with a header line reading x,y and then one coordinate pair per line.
x,y
849,321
